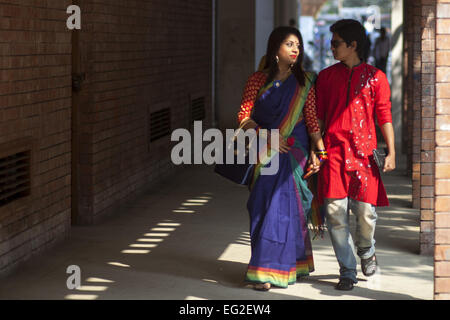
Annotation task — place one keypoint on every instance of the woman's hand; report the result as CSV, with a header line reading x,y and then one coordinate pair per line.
x,y
313,165
314,162
283,146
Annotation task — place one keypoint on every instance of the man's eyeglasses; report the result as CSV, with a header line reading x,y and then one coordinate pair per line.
x,y
336,43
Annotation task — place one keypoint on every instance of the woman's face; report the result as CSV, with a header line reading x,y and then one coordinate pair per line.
x,y
289,50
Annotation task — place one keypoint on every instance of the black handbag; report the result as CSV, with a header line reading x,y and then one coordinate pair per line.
x,y
379,155
236,172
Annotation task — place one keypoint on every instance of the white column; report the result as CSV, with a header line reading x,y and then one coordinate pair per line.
x,y
397,70
264,24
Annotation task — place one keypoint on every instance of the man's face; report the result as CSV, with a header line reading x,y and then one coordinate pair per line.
x,y
340,49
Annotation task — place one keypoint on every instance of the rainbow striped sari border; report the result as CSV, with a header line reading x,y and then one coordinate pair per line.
x,y
280,278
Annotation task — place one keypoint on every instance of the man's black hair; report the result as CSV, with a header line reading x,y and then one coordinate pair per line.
x,y
351,30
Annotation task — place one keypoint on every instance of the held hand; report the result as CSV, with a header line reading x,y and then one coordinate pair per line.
x,y
389,163
314,162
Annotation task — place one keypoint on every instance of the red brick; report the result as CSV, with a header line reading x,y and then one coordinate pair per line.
x,y
442,42
442,269
426,215
443,106
426,226
442,170
442,203
442,236
441,285
443,187
442,252
443,90
443,74
426,203
443,138
427,192
443,10
443,26
442,154
442,219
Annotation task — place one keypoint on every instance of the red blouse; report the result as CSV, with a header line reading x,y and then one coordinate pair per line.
x,y
348,101
255,82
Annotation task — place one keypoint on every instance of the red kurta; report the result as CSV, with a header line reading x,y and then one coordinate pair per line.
x,y
348,100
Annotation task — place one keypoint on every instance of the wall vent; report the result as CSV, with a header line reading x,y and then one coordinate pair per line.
x,y
159,124
15,177
198,109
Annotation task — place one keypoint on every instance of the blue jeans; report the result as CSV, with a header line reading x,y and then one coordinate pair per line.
x,y
337,217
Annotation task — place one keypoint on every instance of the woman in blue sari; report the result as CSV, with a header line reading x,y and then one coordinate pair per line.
x,y
282,97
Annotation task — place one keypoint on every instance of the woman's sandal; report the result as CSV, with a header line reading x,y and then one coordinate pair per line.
x,y
262,286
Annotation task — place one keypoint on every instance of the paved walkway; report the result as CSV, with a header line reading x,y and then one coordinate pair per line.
x,y
188,239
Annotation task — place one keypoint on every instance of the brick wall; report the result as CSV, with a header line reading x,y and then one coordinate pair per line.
x,y
416,96
139,57
442,167
35,114
408,89
427,141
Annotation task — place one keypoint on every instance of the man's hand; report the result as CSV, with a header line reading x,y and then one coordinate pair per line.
x,y
389,163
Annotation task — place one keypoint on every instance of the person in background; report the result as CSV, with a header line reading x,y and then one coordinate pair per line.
x,y
381,50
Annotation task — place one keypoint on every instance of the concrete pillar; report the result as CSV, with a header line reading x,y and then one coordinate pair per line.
x,y
286,10
397,71
264,24
235,47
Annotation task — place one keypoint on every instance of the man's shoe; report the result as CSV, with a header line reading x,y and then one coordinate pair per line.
x,y
345,284
369,266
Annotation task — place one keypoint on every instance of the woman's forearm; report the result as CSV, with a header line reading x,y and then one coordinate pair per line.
x,y
248,124
317,141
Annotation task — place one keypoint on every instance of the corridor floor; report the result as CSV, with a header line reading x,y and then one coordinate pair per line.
x,y
188,239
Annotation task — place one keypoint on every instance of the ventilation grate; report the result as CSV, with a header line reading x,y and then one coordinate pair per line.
x,y
198,109
159,124
14,177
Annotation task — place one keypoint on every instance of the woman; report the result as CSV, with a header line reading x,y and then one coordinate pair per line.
x,y
282,96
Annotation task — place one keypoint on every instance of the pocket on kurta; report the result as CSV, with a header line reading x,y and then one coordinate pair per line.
x,y
277,220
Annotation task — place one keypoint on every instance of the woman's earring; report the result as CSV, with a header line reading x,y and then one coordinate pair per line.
x,y
278,59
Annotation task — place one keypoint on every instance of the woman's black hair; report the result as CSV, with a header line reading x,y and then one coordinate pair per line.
x,y
276,39
351,30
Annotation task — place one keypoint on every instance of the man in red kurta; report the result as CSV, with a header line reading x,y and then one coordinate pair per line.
x,y
350,95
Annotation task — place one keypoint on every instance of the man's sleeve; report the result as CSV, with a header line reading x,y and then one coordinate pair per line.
x,y
383,100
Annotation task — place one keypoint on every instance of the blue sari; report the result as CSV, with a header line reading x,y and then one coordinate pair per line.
x,y
280,205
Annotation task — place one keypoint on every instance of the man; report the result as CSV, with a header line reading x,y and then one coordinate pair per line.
x,y
349,95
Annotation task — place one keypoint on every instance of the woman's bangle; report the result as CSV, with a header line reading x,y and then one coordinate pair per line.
x,y
322,155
